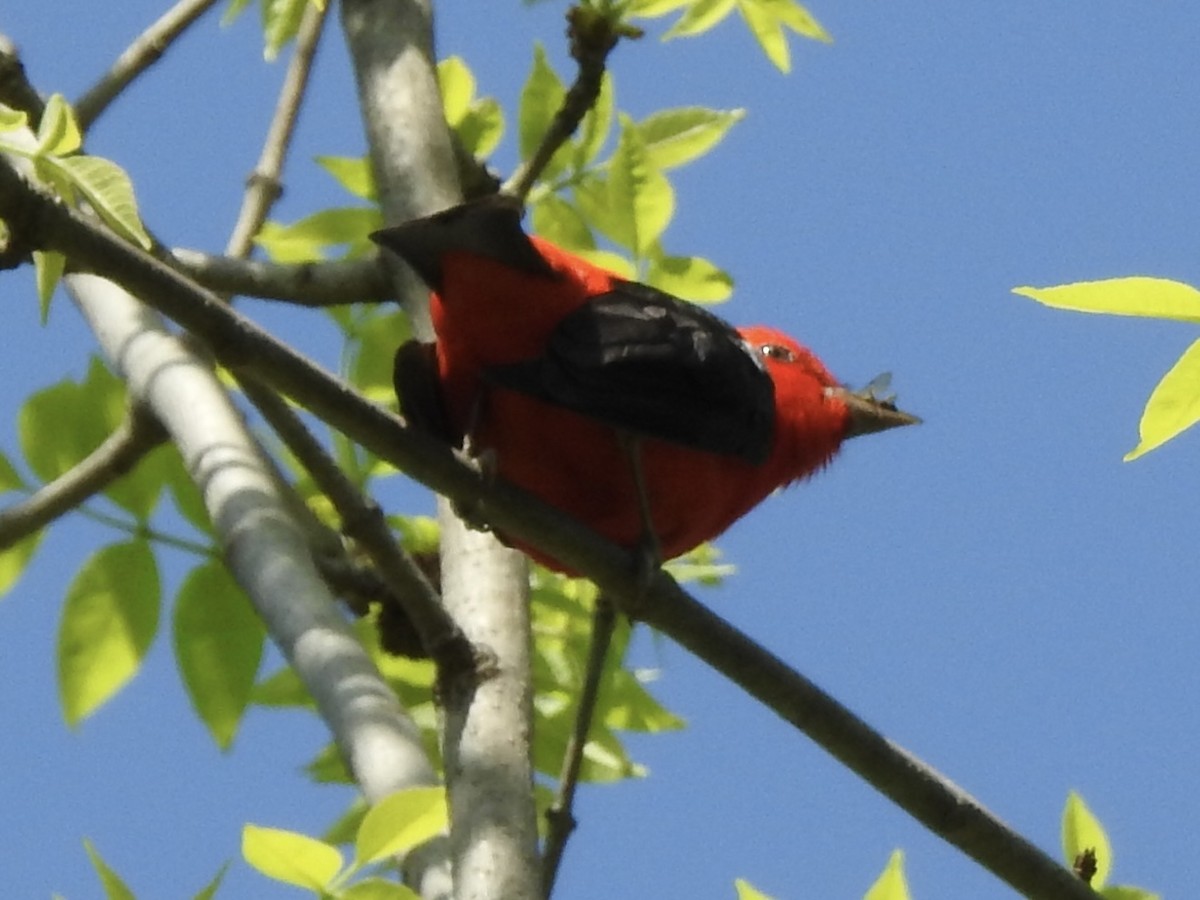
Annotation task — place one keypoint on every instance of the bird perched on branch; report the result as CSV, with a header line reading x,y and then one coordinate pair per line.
x,y
643,416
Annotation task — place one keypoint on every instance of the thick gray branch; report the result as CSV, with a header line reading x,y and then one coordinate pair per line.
x,y
307,284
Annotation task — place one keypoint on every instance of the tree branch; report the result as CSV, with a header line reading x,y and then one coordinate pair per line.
x,y
263,187
138,434
926,795
145,50
592,37
559,817
306,284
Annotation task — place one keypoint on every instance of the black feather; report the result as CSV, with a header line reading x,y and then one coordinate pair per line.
x,y
656,366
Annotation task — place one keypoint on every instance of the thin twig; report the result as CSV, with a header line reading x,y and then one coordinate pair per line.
x,y
263,187
316,284
136,435
923,793
145,50
593,37
364,522
559,817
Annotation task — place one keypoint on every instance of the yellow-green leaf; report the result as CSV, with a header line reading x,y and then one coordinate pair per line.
x,y
890,885
1174,404
677,136
218,645
797,18
400,822
14,559
114,887
49,267
559,221
210,890
1127,892
699,17
690,277
747,891
10,480
110,192
11,119
281,22
637,187
457,85
58,134
1159,298
307,240
291,857
353,173
767,29
481,128
1082,832
541,98
108,621
378,889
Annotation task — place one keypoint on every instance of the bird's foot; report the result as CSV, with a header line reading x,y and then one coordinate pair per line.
x,y
473,511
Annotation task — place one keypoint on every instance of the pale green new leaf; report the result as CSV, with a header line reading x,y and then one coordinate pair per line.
x,y
290,857
1174,404
399,822
891,884
308,239
353,173
690,277
747,891
593,199
481,128
1159,298
1127,892
699,17
218,645
12,119
541,98
10,479
767,29
637,187
108,622
110,192
797,18
14,559
677,136
114,887
378,889
210,890
49,267
457,85
652,9
58,134
1082,831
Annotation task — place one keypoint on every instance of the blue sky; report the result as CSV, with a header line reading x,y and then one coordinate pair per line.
x,y
995,590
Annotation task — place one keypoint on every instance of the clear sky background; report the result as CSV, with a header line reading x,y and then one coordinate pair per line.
x,y
995,589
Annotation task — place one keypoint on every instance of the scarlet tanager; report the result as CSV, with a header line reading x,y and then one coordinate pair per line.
x,y
624,407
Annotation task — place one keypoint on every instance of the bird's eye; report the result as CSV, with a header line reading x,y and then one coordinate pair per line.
x,y
777,352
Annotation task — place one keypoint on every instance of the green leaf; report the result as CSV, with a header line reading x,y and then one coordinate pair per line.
x,y
108,622
58,134
1081,832
14,559
371,365
457,85
210,890
481,128
110,192
49,267
114,887
676,136
218,645
636,186
541,98
699,17
891,884
281,22
594,129
797,18
9,479
353,173
1127,892
290,857
378,889
690,277
328,767
1158,298
1174,404
306,240
746,891
399,822
767,29
561,222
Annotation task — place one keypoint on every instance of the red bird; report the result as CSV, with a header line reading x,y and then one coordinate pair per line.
x,y
647,418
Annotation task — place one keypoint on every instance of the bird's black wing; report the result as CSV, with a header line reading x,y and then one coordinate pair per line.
x,y
649,363
490,227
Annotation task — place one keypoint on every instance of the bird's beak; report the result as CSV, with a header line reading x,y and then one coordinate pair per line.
x,y
869,414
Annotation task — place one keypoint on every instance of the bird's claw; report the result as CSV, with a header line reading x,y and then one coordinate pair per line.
x,y
473,511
